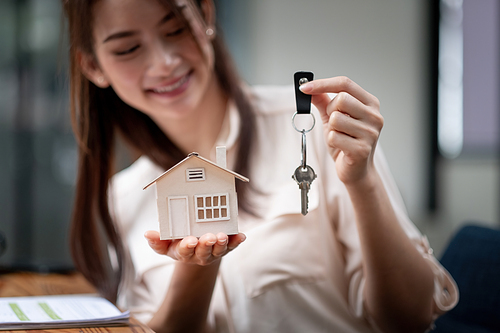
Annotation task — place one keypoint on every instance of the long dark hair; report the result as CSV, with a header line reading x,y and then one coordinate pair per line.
x,y
99,115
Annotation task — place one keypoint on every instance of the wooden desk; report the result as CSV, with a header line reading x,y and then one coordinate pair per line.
x,y
32,284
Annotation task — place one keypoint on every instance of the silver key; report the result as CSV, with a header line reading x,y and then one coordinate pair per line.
x,y
304,176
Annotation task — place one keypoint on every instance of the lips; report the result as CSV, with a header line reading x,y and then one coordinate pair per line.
x,y
171,87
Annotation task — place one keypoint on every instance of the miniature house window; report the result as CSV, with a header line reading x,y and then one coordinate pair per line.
x,y
195,174
212,207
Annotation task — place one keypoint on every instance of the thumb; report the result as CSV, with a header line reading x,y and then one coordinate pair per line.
x,y
152,235
321,102
159,246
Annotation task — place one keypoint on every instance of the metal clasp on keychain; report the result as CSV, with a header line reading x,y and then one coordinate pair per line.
x,y
304,175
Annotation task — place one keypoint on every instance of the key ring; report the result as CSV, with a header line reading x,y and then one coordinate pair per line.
x,y
303,130
304,164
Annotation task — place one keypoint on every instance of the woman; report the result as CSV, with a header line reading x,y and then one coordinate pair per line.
x,y
156,73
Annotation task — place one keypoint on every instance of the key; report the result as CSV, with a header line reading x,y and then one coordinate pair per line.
x,y
304,177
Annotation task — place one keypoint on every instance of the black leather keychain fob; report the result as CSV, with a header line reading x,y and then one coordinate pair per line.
x,y
303,101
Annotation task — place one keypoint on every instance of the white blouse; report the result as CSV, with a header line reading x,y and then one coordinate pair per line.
x,y
293,273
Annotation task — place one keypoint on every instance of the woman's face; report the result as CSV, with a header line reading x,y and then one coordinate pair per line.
x,y
150,58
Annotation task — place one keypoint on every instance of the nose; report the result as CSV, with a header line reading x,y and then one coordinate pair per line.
x,y
164,59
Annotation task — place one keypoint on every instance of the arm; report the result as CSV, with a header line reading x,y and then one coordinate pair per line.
x,y
186,304
399,283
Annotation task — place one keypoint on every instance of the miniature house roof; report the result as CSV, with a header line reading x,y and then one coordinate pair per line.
x,y
195,155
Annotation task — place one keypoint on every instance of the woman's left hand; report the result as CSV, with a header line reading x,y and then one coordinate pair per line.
x,y
352,123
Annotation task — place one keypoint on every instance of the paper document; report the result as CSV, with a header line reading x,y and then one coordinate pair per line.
x,y
58,311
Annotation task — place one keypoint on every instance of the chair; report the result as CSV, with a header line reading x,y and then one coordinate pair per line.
x,y
473,259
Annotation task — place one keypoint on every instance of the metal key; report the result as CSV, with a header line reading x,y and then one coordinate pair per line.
x,y
304,177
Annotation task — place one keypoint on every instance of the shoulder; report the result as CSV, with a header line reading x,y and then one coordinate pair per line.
x,y
272,100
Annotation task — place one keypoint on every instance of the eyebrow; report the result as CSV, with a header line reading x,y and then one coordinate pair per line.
x,y
167,17
123,34
119,35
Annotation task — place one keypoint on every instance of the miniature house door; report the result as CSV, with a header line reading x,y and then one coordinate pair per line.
x,y
178,216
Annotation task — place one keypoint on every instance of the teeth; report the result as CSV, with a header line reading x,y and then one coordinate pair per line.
x,y
171,87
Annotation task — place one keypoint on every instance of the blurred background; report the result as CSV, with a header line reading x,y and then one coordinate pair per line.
x,y
434,65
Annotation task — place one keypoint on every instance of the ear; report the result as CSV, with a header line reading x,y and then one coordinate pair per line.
x,y
208,11
90,68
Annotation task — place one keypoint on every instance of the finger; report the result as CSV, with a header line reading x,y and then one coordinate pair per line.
x,y
341,122
352,148
186,248
336,85
342,102
204,249
220,247
348,104
158,245
235,240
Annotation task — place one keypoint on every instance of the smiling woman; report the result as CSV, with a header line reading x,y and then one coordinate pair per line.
x,y
151,74
146,54
156,72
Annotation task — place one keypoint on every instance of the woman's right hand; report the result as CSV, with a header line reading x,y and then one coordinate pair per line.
x,y
203,251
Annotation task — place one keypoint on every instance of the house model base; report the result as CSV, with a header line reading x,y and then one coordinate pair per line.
x,y
197,196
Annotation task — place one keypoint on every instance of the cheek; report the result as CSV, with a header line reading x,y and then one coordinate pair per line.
x,y
202,54
125,79
121,74
125,76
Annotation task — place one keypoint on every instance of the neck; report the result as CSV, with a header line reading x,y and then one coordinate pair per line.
x,y
199,131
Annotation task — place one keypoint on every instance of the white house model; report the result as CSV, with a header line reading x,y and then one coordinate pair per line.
x,y
197,196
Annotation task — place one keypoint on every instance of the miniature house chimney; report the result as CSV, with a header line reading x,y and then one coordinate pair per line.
x,y
221,156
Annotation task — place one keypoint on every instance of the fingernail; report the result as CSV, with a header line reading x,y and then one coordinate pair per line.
x,y
191,245
306,87
211,242
243,238
222,240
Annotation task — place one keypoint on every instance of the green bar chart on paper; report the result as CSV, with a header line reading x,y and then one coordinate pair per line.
x,y
48,310
41,312
19,313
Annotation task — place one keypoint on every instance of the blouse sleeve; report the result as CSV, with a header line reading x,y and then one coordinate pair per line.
x,y
445,289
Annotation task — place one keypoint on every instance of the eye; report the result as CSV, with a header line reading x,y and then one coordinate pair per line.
x,y
176,32
128,51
